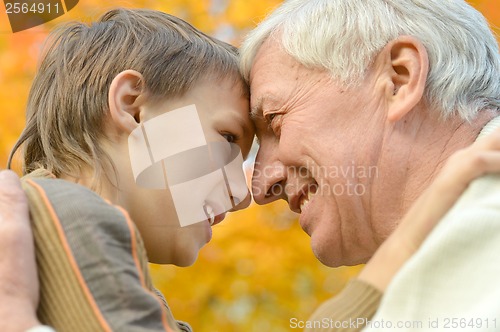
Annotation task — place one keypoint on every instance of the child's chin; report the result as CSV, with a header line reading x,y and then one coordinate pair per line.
x,y
187,259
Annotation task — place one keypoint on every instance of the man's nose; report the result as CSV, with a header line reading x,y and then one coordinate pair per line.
x,y
269,176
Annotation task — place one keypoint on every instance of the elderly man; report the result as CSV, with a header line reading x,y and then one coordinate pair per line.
x,y
357,104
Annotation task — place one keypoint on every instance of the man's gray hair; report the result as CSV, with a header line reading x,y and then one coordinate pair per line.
x,y
344,37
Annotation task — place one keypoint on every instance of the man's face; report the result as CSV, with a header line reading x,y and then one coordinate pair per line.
x,y
319,149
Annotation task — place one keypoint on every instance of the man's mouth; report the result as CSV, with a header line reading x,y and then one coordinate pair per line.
x,y
301,199
306,197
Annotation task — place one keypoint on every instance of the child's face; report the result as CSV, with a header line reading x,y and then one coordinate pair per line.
x,y
224,116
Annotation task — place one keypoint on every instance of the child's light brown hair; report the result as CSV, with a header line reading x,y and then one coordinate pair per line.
x,y
68,101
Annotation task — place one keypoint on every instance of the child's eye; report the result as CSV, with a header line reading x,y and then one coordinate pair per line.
x,y
229,137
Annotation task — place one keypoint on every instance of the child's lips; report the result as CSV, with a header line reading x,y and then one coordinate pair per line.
x,y
219,218
210,212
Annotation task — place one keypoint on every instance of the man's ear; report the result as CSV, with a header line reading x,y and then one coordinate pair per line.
x,y
407,67
126,96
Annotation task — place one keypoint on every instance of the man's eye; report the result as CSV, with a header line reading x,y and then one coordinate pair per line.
x,y
229,137
270,117
273,123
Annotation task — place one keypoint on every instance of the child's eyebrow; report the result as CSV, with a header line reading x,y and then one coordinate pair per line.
x,y
246,123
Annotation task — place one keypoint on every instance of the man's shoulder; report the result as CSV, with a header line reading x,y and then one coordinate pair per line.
x,y
483,193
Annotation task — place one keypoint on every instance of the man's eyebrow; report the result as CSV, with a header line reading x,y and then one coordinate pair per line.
x,y
256,110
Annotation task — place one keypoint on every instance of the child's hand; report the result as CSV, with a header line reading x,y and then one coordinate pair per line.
x,y
18,276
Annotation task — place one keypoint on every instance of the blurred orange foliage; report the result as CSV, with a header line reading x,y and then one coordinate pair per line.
x,y
258,271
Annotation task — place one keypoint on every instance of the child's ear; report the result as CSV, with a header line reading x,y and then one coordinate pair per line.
x,y
126,96
406,67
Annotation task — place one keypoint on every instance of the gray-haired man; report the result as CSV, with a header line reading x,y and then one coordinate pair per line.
x,y
393,85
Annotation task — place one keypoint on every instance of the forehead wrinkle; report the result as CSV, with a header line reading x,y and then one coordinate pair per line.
x,y
305,86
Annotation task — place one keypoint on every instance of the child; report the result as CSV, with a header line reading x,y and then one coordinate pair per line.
x,y
96,86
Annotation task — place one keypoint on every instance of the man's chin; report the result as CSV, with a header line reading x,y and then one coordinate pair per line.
x,y
333,256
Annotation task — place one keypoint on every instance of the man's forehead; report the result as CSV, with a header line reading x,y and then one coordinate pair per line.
x,y
267,57
264,84
274,72
255,107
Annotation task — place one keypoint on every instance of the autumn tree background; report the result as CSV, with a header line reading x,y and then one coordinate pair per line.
x,y
258,271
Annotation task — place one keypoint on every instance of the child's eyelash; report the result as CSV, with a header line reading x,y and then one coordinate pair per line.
x,y
231,138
